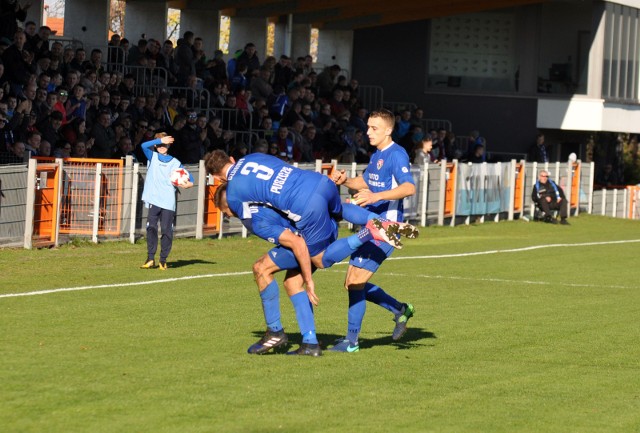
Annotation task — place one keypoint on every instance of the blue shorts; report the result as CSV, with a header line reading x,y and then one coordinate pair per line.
x,y
316,223
283,258
371,255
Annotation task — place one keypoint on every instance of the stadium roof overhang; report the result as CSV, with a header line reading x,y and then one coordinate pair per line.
x,y
349,14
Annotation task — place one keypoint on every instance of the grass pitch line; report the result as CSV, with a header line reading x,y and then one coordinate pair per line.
x,y
230,274
516,250
139,283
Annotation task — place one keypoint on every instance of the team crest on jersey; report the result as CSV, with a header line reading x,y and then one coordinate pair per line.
x,y
380,163
273,241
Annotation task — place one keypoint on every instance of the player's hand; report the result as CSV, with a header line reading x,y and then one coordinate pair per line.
x,y
339,177
187,184
364,197
167,139
311,293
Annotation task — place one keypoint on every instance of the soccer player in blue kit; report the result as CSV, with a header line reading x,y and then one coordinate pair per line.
x,y
273,226
310,200
386,181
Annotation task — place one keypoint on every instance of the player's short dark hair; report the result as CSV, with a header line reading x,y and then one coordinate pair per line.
x,y
385,115
215,161
217,196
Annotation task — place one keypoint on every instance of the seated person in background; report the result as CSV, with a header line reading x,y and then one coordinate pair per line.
x,y
478,154
549,196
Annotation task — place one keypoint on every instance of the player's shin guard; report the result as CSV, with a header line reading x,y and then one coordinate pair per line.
x,y
304,315
270,297
357,308
378,296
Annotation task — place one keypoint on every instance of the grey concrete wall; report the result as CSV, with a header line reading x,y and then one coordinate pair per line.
x,y
336,47
245,30
87,20
145,17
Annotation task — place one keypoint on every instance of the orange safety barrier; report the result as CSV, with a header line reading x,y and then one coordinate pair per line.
x,y
327,169
211,212
634,193
78,190
450,187
46,204
518,192
575,186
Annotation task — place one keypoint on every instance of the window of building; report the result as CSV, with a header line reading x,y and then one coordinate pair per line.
x,y
313,44
271,38
225,33
620,63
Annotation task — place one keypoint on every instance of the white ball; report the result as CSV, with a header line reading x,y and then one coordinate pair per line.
x,y
573,157
179,177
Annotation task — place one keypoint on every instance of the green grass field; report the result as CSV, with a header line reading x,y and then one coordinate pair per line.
x,y
511,339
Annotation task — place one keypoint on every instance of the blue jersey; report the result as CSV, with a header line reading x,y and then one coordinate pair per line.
x,y
387,169
260,178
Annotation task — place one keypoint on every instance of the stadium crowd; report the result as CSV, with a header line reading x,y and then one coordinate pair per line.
x,y
61,101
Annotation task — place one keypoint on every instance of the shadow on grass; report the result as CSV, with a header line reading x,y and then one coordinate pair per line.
x,y
413,338
181,263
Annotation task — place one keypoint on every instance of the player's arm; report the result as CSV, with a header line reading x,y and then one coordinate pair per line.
x,y
340,178
296,244
401,191
147,147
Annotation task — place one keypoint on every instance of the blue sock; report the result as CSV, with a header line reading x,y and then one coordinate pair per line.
x,y
356,214
378,296
304,314
343,248
271,306
357,308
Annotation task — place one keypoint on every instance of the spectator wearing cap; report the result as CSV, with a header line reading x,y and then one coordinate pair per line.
x,y
191,140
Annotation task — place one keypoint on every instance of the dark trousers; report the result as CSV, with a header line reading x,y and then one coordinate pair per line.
x,y
554,205
166,218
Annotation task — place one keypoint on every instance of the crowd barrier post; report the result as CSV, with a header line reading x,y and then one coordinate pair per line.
x,y
96,203
575,186
591,182
423,192
448,192
134,202
30,202
202,187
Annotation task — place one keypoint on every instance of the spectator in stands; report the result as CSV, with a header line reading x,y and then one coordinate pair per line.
x,y
216,137
336,103
549,196
250,58
79,150
412,140
402,125
124,149
62,149
39,44
126,88
283,73
184,58
76,106
78,60
326,80
60,102
422,154
137,52
261,146
74,131
286,146
18,63
136,110
166,61
50,127
478,154
15,155
539,151
104,137
260,86
12,11
239,79
32,144
191,141
45,148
